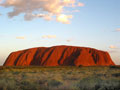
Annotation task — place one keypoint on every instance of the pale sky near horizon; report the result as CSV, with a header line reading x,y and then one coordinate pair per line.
x,y
36,23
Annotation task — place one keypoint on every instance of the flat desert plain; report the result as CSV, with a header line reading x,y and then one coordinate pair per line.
x,y
60,78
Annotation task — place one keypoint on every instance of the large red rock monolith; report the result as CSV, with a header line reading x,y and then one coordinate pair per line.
x,y
59,56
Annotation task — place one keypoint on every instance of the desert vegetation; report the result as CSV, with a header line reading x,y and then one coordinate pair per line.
x,y
60,78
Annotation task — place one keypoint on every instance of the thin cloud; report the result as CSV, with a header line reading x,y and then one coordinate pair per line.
x,y
64,18
1,1
49,36
76,11
112,47
73,11
81,4
46,9
118,29
20,37
69,40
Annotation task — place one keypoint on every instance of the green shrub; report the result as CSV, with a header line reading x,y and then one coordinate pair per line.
x,y
69,72
15,73
80,66
114,67
95,83
89,83
54,83
116,74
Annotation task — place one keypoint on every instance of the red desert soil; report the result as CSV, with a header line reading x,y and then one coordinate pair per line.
x,y
59,56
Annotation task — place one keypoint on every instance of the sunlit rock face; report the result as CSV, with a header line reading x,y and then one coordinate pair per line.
x,y
59,56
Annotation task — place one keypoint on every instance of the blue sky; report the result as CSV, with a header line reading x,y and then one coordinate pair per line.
x,y
94,24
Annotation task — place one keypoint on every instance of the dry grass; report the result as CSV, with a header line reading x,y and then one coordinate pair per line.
x,y
60,78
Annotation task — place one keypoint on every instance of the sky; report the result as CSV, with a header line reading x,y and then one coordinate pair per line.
x,y
44,23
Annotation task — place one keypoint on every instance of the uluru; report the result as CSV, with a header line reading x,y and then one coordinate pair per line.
x,y
59,56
